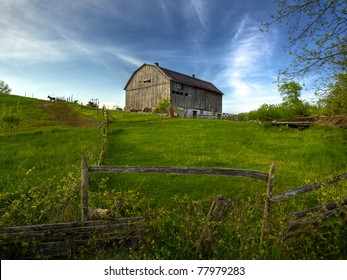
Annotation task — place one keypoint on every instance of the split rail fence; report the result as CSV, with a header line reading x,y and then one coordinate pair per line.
x,y
70,239
219,207
310,217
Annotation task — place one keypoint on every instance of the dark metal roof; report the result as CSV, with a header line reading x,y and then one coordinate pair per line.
x,y
188,80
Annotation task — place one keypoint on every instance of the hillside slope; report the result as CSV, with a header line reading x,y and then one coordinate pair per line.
x,y
36,113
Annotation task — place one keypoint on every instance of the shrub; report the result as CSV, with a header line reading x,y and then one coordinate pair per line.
x,y
10,117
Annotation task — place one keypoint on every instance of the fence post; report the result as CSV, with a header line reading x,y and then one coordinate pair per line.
x,y
84,190
107,119
265,228
218,211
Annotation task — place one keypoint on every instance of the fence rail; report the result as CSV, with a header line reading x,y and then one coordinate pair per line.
x,y
181,171
312,216
218,209
67,239
309,187
253,174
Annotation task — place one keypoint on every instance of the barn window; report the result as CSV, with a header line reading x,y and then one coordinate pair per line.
x,y
145,81
179,86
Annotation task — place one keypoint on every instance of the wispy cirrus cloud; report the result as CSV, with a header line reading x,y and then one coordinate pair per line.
x,y
123,55
199,10
246,70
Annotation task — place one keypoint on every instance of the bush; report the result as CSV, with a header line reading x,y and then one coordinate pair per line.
x,y
164,105
11,118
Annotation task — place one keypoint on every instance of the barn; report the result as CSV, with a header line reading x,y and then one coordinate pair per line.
x,y
189,96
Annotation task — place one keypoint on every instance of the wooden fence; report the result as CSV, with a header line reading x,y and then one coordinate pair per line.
x,y
75,238
313,216
219,207
87,236
68,240
254,174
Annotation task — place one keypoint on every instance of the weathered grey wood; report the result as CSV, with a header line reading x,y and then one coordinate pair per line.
x,y
106,118
181,171
266,218
217,213
101,124
62,231
62,239
285,123
84,190
49,227
310,187
316,220
150,84
318,209
293,124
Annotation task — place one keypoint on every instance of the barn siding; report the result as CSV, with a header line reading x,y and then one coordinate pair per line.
x,y
146,88
149,85
195,98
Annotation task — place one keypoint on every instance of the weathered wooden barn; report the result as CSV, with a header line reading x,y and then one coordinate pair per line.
x,y
189,96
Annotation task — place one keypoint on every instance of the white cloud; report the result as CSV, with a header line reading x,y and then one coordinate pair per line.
x,y
199,11
246,70
123,55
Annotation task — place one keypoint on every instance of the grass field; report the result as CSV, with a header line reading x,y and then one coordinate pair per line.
x,y
299,156
40,161
40,154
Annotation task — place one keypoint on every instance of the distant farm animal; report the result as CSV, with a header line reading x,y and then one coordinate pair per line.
x,y
51,98
92,104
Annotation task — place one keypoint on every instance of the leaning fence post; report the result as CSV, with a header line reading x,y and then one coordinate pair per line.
x,y
84,190
218,210
106,119
265,228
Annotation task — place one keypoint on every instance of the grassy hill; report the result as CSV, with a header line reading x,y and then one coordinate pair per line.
x,y
40,154
299,156
39,179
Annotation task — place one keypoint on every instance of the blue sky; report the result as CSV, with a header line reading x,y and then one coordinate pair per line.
x,y
90,48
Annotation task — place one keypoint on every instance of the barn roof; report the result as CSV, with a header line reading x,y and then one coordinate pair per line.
x,y
188,80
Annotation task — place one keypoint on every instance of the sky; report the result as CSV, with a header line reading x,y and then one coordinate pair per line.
x,y
88,49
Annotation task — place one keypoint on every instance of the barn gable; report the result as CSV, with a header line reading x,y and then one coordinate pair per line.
x,y
188,95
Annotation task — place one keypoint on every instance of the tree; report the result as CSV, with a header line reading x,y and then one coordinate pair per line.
x,y
335,101
4,88
291,93
317,38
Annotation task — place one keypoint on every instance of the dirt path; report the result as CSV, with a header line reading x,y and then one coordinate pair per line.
x,y
62,112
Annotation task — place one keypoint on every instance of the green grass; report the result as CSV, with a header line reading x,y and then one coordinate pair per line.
x,y
41,156
40,172
176,204
300,156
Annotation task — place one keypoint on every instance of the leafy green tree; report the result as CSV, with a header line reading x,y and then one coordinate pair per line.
x,y
316,38
291,93
4,88
335,101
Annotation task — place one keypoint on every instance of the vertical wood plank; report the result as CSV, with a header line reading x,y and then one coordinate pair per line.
x,y
107,119
84,190
218,211
267,209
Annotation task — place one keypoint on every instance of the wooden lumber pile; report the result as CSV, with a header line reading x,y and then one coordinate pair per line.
x,y
293,124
